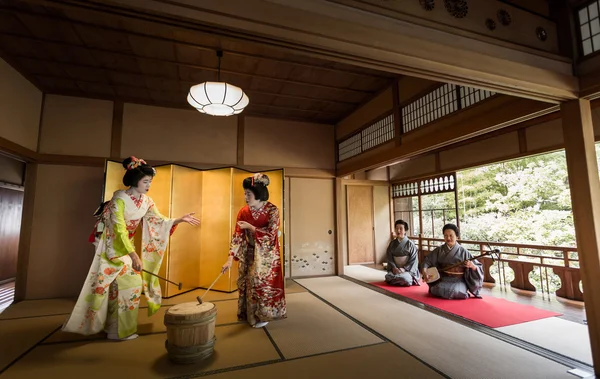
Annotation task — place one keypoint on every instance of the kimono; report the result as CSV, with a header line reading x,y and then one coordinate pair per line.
x,y
457,285
260,282
111,294
402,254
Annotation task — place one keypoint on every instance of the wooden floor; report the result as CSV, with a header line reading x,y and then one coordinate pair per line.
x,y
571,310
7,293
333,329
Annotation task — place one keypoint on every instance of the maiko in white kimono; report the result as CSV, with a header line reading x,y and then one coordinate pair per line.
x,y
111,294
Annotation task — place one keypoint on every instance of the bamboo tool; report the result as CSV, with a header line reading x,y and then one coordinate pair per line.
x,y
179,285
213,283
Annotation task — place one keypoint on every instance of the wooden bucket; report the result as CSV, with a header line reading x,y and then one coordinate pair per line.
x,y
190,332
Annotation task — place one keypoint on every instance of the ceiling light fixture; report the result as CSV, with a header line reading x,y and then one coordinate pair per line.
x,y
217,98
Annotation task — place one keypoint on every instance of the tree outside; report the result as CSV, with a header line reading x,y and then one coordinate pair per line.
x,y
523,201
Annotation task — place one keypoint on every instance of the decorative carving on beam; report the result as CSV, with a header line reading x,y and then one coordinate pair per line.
x,y
490,24
425,186
541,34
457,8
504,17
428,5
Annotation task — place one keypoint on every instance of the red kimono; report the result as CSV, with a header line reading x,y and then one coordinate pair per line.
x,y
261,281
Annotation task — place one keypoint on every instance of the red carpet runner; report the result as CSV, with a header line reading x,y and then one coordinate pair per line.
x,y
489,311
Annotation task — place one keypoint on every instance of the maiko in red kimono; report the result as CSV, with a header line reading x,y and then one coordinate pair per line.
x,y
261,281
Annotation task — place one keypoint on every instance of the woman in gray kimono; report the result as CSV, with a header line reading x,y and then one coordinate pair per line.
x,y
458,282
402,259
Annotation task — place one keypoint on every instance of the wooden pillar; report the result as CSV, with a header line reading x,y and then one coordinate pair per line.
x,y
420,222
340,222
456,201
584,183
241,128
397,113
25,235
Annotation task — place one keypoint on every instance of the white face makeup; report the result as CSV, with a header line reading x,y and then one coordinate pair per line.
x,y
144,185
250,199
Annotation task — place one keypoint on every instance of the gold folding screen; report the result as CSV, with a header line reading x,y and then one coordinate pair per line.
x,y
216,229
195,256
183,257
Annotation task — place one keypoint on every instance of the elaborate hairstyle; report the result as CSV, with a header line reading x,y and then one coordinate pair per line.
x,y
402,222
136,169
451,227
258,183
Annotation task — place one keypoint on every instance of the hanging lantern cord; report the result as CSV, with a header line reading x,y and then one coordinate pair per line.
x,y
219,54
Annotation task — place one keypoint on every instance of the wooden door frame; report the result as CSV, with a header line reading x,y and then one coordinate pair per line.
x,y
361,183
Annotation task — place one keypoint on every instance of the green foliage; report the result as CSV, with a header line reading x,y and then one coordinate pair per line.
x,y
522,201
525,200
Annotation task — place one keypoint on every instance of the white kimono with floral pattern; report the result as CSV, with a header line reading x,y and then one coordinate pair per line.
x,y
113,288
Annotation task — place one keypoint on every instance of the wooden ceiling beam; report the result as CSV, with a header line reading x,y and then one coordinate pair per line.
x,y
164,77
10,60
188,65
210,48
493,114
289,118
590,85
293,109
63,5
346,34
144,88
184,106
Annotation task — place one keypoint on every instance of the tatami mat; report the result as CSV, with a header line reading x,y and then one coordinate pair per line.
x,y
556,334
215,296
37,308
313,327
365,274
191,296
51,307
292,287
226,314
454,349
373,362
18,336
145,357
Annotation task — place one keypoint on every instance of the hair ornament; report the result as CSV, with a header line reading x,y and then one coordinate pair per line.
x,y
260,178
135,163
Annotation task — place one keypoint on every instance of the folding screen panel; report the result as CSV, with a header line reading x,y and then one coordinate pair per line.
x,y
216,229
183,259
195,256
113,179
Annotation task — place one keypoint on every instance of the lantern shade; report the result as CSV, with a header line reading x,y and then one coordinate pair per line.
x,y
217,98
